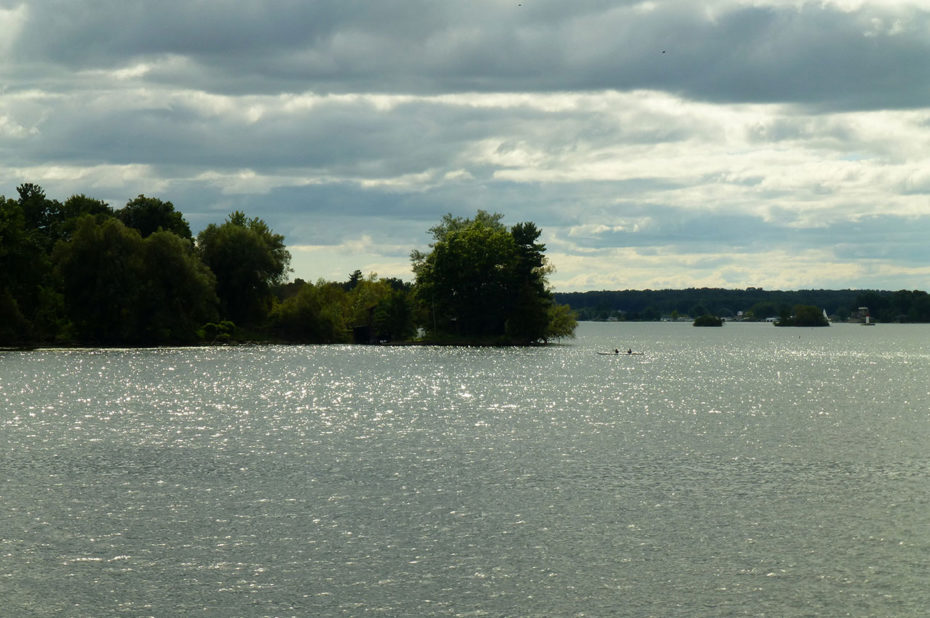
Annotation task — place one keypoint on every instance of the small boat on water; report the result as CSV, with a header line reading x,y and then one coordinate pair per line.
x,y
619,353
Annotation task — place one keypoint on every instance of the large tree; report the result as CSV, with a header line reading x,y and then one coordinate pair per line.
x,y
122,289
31,305
101,271
150,214
483,281
179,292
247,259
23,269
40,213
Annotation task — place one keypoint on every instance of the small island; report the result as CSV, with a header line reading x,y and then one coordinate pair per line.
x,y
803,315
708,320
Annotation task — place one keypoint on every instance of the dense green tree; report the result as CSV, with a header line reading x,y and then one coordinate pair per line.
x,y
530,315
178,294
248,259
26,295
763,310
76,207
803,315
902,306
394,317
461,280
363,297
380,308
40,213
482,281
14,327
562,322
79,205
102,270
708,320
698,310
122,289
314,314
150,214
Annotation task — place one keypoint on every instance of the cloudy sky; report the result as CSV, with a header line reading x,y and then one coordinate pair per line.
x,y
661,144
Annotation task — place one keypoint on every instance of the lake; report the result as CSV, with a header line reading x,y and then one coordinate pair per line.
x,y
743,470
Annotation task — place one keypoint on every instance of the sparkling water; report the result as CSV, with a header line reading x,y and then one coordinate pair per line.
x,y
743,470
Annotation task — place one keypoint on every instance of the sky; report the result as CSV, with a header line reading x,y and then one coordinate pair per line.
x,y
665,144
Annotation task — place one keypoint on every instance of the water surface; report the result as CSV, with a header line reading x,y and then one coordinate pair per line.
x,y
745,470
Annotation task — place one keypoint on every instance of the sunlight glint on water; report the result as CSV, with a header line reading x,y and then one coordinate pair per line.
x,y
743,470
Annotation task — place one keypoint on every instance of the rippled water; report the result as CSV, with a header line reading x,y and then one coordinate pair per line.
x,y
747,470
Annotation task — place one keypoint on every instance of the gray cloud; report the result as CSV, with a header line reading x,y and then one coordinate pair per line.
x,y
815,54
695,143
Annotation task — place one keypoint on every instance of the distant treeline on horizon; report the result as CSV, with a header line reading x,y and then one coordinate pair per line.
x,y
748,303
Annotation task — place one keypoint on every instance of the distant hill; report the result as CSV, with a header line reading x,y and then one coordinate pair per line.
x,y
754,303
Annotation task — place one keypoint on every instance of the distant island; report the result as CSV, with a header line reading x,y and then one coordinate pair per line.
x,y
803,315
708,320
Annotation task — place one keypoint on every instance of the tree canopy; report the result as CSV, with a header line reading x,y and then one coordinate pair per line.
x,y
484,282
79,272
121,288
150,214
247,259
803,315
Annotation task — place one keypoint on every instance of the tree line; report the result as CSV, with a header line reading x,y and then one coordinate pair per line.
x,y
80,272
749,303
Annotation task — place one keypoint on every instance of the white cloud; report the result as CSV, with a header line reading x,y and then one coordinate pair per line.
x,y
12,21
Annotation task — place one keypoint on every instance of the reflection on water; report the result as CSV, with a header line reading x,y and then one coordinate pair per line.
x,y
742,470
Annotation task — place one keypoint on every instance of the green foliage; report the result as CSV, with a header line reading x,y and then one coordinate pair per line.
x,y
101,269
483,281
120,288
562,322
218,332
79,205
247,259
394,316
803,315
14,327
353,281
315,314
464,279
24,267
755,303
708,320
150,214
76,207
40,213
363,298
763,310
900,306
179,291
